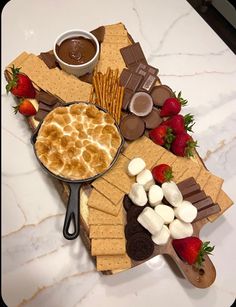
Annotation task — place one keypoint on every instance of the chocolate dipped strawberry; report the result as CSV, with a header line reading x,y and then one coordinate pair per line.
x,y
172,106
20,85
183,145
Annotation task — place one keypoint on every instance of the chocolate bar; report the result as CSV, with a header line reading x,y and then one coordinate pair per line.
x,y
46,98
143,69
130,80
189,191
133,55
148,83
49,59
186,183
207,212
40,115
202,204
196,197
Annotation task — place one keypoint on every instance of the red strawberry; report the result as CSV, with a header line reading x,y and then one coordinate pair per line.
x,y
162,135
183,145
162,173
20,85
179,123
192,249
172,106
25,108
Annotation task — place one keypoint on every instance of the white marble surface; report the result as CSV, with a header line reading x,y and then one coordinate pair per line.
x,y
40,268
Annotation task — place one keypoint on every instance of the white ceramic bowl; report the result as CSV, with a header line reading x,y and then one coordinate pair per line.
x,y
81,69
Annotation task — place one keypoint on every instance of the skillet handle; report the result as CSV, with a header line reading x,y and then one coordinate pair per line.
x,y
73,212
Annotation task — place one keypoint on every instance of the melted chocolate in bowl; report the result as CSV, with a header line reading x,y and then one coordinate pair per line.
x,y
76,50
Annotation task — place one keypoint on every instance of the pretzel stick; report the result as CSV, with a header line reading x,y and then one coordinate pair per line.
x,y
95,83
120,104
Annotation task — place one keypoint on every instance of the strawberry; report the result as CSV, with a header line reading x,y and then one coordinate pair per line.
x,y
162,173
25,108
20,85
172,106
183,145
192,250
179,123
162,135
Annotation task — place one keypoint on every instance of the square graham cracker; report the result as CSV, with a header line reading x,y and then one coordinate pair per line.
x,y
97,217
108,190
118,175
102,247
213,186
113,262
203,177
100,202
145,149
106,231
192,171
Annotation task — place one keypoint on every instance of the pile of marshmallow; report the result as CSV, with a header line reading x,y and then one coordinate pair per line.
x,y
162,221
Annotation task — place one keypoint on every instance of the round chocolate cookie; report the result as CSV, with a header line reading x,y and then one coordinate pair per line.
x,y
133,227
127,202
132,127
139,246
153,119
134,212
160,93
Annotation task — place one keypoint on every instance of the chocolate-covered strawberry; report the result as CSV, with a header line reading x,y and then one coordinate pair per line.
x,y
183,145
179,123
162,135
192,250
172,106
20,85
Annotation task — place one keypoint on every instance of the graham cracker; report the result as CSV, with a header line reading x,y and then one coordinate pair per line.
x,y
118,175
203,177
106,231
108,190
179,167
115,29
97,217
18,61
192,171
224,202
115,262
102,247
166,158
100,202
213,186
145,149
114,38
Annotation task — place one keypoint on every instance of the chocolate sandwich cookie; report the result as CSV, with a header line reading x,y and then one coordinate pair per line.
x,y
134,212
134,227
153,119
132,127
127,202
139,246
160,93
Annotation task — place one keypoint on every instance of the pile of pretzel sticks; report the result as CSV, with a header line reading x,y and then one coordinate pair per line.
x,y
107,92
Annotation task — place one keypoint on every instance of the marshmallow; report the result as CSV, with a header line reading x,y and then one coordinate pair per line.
x,y
162,237
138,195
155,195
145,178
166,212
172,193
150,220
136,166
186,212
179,229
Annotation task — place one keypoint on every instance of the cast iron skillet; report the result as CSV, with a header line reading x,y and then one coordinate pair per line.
x,y
73,206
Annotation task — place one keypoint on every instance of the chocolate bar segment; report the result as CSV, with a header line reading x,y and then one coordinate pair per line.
x,y
186,183
46,98
133,55
148,82
143,69
196,197
130,80
207,212
187,192
49,59
202,204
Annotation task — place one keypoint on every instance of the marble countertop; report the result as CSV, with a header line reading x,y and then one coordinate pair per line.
x,y
41,268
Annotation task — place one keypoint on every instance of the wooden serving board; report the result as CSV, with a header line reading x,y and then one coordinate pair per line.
x,y
201,279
